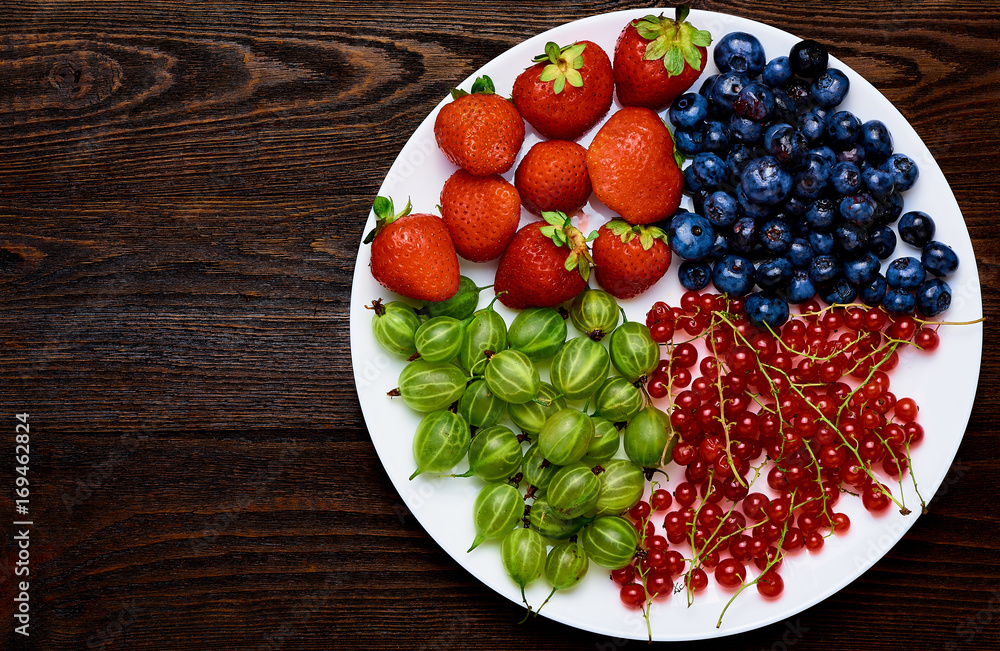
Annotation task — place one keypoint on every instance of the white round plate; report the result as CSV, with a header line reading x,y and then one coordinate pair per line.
x,y
943,384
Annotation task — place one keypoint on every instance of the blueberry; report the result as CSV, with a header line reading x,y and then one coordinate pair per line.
x,y
688,110
845,177
863,269
719,248
774,273
788,146
694,275
851,239
933,297
825,270
872,293
692,184
725,90
821,215
744,129
709,169
939,258
751,208
796,206
876,181
689,142
765,182
800,92
755,101
744,235
916,228
889,208
824,152
830,88
800,289
882,242
738,157
800,253
876,140
898,301
843,129
739,52
692,236
706,86
903,169
822,243
715,137
785,107
808,58
905,273
858,209
775,236
777,72
811,179
812,126
720,208
733,275
765,310
840,292
853,154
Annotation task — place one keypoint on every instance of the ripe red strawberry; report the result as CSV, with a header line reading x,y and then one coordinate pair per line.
x,y
545,265
553,176
412,254
628,259
567,91
481,213
480,131
658,59
632,167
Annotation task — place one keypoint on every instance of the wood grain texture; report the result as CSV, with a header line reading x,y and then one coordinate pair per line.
x,y
182,194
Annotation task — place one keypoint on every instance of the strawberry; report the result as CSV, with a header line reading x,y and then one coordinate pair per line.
x,y
628,259
412,254
545,264
658,59
632,167
479,131
553,176
567,91
481,213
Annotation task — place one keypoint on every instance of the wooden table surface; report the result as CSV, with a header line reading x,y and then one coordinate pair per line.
x,y
183,186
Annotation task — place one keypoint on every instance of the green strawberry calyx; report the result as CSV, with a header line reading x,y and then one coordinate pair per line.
x,y
564,65
561,231
675,41
385,214
481,86
627,232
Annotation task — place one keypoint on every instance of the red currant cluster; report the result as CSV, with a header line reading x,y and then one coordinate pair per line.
x,y
808,408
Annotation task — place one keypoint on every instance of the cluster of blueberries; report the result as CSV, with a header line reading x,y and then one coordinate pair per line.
x,y
779,176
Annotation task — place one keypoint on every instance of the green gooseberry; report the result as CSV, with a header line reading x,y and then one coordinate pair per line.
x,y
565,436
495,454
649,438
536,468
610,541
498,508
618,400
440,442
565,566
594,312
438,339
479,406
462,303
486,332
548,522
622,485
512,377
531,415
633,351
605,443
579,368
429,386
538,332
522,553
394,325
573,491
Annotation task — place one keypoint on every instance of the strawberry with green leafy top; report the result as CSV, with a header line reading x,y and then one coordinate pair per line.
x,y
658,59
481,132
412,254
547,263
629,259
567,91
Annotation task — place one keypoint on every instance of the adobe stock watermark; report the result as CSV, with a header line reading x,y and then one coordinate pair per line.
x,y
306,608
98,474
969,630
261,480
